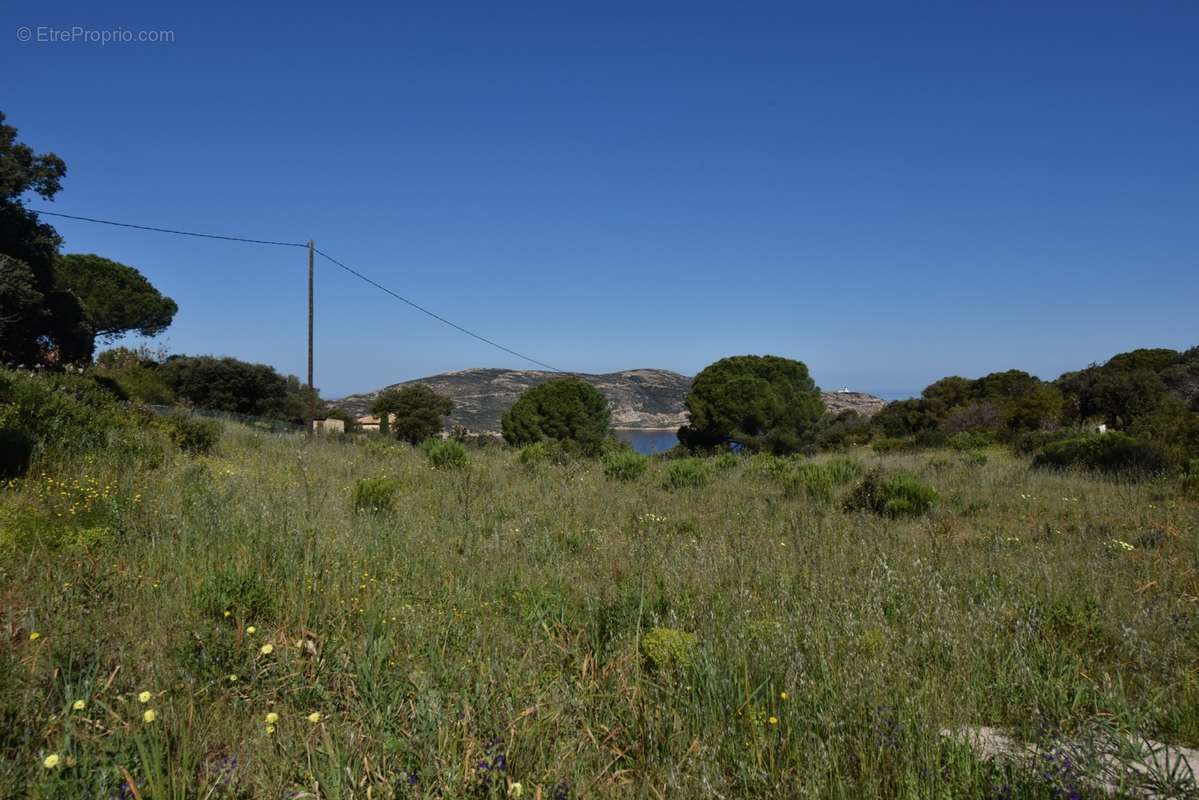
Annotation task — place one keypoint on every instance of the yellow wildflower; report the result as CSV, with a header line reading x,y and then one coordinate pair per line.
x,y
270,729
144,697
272,718
783,695
150,715
267,649
228,613
314,717
773,720
515,790
251,630
33,637
232,679
78,705
51,761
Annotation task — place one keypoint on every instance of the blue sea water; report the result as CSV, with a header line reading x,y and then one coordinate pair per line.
x,y
648,442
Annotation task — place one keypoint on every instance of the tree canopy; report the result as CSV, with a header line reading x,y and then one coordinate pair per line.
x,y
418,410
228,384
116,298
756,403
567,409
41,322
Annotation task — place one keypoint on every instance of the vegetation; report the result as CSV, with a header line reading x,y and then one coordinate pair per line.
x,y
238,387
624,465
1111,452
557,629
117,299
753,403
446,453
418,412
566,410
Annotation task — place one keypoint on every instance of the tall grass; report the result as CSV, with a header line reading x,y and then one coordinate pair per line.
x,y
491,629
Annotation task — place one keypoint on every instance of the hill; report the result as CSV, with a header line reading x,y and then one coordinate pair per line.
x,y
645,399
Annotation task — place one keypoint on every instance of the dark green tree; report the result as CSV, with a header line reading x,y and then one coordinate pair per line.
x,y
419,411
567,409
53,331
116,298
227,384
757,403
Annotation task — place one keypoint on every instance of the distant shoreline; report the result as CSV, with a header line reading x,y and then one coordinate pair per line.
x,y
672,428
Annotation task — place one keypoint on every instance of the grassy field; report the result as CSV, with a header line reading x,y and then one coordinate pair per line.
x,y
546,631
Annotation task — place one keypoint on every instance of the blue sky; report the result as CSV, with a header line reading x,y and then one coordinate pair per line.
x,y
890,193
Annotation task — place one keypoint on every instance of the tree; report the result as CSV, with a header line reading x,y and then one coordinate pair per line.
x,y
753,402
52,330
567,409
419,411
116,298
227,384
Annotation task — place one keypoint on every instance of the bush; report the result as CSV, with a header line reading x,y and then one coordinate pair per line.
x,y
1103,452
16,451
548,451
191,434
971,440
685,473
667,648
62,413
725,461
1190,478
375,495
890,444
624,465
445,453
898,495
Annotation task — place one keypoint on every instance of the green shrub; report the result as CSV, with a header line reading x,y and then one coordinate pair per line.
x,y
624,465
898,495
1190,478
62,413
971,440
974,458
16,451
819,480
668,648
1104,452
547,451
191,434
725,461
445,453
375,495
890,444
562,409
685,473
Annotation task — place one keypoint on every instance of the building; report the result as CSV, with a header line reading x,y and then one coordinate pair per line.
x,y
370,422
329,425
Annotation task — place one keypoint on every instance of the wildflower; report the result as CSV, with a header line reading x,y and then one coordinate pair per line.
x,y
232,679
51,761
267,649
272,718
33,637
783,696
251,630
228,614
515,790
144,697
270,729
773,720
314,717
150,715
78,705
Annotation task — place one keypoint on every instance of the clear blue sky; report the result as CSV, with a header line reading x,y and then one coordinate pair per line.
x,y
890,193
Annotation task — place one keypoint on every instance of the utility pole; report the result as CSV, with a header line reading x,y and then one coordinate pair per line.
x,y
311,388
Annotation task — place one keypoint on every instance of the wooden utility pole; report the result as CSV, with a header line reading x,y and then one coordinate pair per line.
x,y
311,388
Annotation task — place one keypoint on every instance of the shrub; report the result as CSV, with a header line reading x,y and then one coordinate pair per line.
x,y
1190,478
725,461
668,648
191,434
971,440
375,495
685,473
62,413
901,494
418,412
548,451
16,451
890,444
445,453
1103,452
624,465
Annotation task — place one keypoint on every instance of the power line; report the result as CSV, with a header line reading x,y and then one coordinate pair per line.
x,y
169,230
435,316
324,255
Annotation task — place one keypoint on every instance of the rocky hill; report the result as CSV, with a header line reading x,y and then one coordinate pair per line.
x,y
645,399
